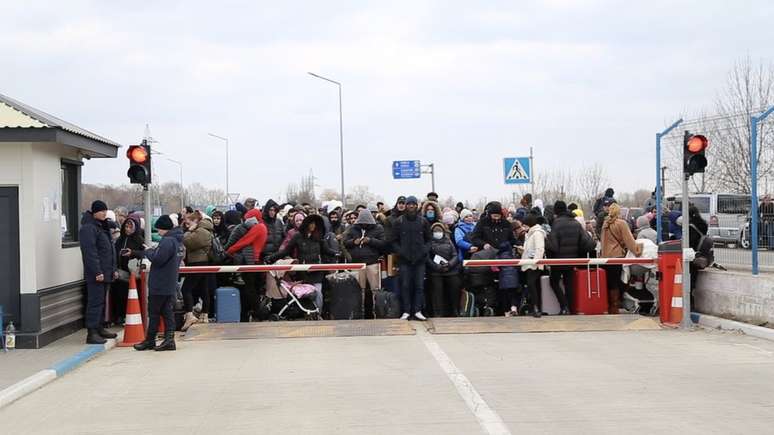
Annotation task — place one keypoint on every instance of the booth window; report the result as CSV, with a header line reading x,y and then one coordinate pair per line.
x,y
69,204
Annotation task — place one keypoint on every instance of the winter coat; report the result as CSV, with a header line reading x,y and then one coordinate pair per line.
x,y
133,242
392,219
443,248
461,238
693,235
248,239
309,248
534,246
367,253
509,275
567,238
410,237
165,263
198,243
436,208
674,229
97,250
275,229
497,234
617,239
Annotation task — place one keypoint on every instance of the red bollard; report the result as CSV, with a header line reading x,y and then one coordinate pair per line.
x,y
670,255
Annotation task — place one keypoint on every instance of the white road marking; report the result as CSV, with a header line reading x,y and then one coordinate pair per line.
x,y
489,420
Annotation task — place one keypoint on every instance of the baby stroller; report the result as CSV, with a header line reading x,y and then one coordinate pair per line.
x,y
290,299
641,293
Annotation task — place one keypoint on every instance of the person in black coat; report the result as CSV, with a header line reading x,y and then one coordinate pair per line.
x,y
162,283
132,237
697,228
443,264
568,239
365,242
410,236
99,268
493,231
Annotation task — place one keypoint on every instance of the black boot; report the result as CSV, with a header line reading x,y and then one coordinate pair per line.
x,y
93,337
168,343
537,312
146,344
104,333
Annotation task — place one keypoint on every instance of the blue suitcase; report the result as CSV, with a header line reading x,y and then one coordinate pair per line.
x,y
227,305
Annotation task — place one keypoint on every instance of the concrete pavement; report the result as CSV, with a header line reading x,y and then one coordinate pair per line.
x,y
584,382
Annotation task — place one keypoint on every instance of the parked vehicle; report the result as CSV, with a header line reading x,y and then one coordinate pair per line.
x,y
727,215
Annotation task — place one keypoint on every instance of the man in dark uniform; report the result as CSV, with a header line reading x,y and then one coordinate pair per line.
x,y
99,268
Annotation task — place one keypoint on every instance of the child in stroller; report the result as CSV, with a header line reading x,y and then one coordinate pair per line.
x,y
292,299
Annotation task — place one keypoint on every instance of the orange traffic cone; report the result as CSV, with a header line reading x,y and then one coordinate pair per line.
x,y
676,304
134,332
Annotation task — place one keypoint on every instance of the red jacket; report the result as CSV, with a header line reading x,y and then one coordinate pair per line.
x,y
255,237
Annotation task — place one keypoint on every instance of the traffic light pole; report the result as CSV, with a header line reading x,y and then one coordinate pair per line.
x,y
146,205
686,322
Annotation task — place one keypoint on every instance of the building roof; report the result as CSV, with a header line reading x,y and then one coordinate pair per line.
x,y
20,122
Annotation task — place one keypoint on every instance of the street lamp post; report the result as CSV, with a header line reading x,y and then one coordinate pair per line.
x,y
341,133
182,186
228,198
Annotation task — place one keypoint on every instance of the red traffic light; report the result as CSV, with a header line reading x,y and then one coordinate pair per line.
x,y
137,154
697,143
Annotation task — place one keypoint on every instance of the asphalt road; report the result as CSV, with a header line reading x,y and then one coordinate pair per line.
x,y
658,381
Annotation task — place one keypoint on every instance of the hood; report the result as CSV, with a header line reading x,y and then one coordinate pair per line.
x,y
137,228
438,212
207,225
254,213
318,222
440,226
535,229
466,226
539,204
177,233
365,218
88,219
643,222
208,211
609,192
232,217
266,207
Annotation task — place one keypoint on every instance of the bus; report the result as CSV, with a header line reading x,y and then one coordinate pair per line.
x,y
726,214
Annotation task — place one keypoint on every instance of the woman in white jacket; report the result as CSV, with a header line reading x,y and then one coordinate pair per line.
x,y
534,249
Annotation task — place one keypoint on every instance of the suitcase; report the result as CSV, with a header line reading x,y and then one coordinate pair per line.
x,y
468,304
386,305
486,299
346,296
227,305
590,295
550,305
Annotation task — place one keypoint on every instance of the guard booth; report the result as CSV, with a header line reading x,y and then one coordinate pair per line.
x,y
41,273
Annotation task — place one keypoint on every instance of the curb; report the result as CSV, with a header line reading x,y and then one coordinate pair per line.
x,y
46,376
732,325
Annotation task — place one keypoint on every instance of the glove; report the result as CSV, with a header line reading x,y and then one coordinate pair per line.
x,y
270,259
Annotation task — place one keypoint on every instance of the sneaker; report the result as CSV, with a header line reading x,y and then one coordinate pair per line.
x,y
419,316
405,316
190,320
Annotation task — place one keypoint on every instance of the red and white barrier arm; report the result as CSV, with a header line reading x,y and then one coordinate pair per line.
x,y
561,262
273,268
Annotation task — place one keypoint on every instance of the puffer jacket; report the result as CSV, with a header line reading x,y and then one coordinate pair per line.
x,y
370,252
274,227
566,237
198,242
247,240
410,237
534,246
443,248
461,238
497,234
310,248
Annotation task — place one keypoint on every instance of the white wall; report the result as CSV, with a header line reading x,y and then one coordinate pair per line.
x,y
36,170
736,295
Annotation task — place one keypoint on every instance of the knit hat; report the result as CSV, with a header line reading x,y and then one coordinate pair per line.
x,y
98,206
449,217
560,207
412,200
401,199
465,213
373,208
365,218
110,215
164,223
174,217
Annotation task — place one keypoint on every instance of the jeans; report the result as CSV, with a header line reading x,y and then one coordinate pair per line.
x,y
197,284
160,306
95,303
566,275
445,293
412,283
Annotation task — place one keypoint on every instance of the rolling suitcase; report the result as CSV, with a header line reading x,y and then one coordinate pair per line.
x,y
590,296
227,305
386,305
550,305
468,304
346,296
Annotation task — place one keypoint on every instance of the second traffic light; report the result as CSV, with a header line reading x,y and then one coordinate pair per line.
x,y
139,163
694,158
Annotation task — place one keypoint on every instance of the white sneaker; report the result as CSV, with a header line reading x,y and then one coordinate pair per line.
x,y
405,316
420,316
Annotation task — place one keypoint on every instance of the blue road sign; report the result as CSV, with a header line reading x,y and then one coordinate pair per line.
x,y
517,170
402,169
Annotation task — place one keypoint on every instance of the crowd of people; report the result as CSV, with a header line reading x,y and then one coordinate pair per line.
x,y
423,243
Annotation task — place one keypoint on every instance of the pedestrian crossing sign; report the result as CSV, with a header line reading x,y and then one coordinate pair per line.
x,y
517,170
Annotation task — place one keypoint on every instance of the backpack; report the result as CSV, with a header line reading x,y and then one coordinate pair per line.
x,y
705,254
217,254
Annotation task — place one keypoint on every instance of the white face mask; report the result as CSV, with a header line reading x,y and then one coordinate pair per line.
x,y
437,235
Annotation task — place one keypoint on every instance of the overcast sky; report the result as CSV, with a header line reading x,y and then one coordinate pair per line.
x,y
458,83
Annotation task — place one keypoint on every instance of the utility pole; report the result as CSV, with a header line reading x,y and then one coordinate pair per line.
x,y
146,201
430,169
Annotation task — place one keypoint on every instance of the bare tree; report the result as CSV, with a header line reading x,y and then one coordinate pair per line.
x,y
361,195
748,90
589,183
303,192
